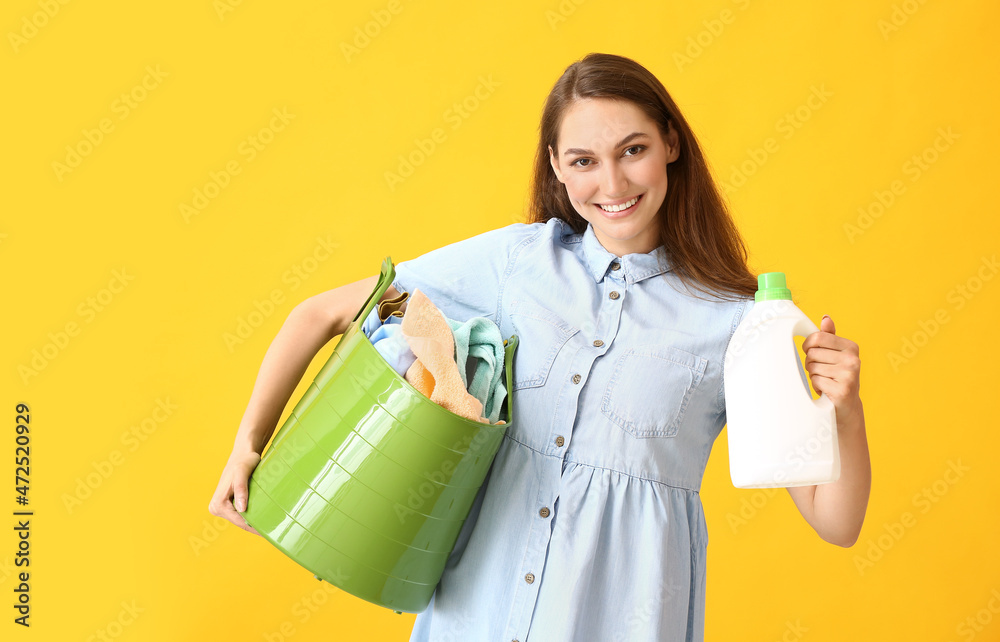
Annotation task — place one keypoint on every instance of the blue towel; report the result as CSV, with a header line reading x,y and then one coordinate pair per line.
x,y
479,348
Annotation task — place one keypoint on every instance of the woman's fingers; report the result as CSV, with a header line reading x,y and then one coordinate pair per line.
x,y
234,482
823,355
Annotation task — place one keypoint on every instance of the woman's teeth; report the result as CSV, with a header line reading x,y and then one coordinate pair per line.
x,y
619,208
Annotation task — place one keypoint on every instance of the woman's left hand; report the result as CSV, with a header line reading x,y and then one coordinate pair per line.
x,y
834,368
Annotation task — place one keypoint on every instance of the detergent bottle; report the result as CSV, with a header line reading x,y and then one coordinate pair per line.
x,y
778,434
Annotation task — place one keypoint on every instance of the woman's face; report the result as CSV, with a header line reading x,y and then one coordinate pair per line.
x,y
611,153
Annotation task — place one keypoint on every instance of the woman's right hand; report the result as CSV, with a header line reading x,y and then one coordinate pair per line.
x,y
233,485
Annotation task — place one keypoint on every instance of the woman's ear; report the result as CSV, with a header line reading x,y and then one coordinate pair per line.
x,y
672,142
555,164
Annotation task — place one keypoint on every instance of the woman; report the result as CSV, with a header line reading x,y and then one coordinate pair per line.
x,y
624,290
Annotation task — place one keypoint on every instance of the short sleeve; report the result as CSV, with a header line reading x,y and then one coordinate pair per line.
x,y
741,312
465,279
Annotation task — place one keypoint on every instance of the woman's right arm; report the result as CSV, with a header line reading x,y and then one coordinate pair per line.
x,y
309,326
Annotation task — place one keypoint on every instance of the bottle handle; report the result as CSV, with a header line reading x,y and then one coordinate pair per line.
x,y
804,328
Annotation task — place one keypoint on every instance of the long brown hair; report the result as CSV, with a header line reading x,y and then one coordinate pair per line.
x,y
696,228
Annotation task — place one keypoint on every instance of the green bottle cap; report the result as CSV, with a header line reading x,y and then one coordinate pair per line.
x,y
771,286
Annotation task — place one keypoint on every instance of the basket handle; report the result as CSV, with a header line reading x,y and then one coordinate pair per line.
x,y
384,281
508,363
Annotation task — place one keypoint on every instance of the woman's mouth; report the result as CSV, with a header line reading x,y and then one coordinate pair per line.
x,y
623,209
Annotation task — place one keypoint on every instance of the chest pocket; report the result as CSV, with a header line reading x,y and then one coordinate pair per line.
x,y
541,334
650,389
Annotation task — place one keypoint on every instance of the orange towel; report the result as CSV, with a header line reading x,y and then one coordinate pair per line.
x,y
435,373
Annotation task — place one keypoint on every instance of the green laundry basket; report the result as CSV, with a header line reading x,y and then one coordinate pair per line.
x,y
368,481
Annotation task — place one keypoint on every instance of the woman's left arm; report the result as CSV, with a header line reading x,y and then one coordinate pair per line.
x,y
837,510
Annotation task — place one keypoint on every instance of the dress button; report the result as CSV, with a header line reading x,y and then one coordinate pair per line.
x,y
529,578
544,512
576,378
560,441
616,265
598,343
614,295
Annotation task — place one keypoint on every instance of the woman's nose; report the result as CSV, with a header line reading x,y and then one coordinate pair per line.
x,y
613,182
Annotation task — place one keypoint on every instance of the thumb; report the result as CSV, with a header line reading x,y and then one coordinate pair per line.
x,y
240,496
826,325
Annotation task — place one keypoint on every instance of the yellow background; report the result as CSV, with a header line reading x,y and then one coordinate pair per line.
x,y
894,74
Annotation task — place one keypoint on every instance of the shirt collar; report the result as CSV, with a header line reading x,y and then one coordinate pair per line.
x,y
635,267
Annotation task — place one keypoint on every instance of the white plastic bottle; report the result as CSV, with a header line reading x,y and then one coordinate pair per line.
x,y
778,434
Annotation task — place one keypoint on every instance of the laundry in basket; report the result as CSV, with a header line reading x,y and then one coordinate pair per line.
x,y
460,364
368,482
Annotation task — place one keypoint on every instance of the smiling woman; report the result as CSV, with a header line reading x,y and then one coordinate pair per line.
x,y
610,133
617,189
589,525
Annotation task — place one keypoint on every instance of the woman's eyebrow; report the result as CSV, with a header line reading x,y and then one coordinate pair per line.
x,y
577,150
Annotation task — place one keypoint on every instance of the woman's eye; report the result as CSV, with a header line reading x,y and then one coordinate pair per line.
x,y
586,162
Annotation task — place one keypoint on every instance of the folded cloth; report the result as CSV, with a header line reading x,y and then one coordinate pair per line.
x,y
435,372
478,345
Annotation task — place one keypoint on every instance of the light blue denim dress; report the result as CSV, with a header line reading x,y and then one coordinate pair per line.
x,y
590,524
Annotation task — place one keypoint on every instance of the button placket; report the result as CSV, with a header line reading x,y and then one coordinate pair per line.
x,y
603,315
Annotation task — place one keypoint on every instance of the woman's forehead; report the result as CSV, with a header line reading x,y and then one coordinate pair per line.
x,y
599,123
